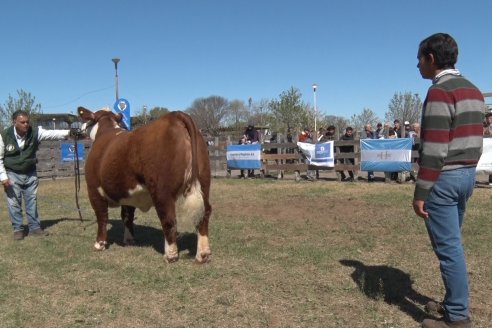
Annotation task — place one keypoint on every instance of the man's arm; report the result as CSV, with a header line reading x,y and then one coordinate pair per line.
x,y
3,172
52,134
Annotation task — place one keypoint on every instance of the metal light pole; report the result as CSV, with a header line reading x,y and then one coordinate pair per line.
x,y
315,110
116,61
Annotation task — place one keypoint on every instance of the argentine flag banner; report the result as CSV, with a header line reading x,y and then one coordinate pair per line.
x,y
386,155
243,156
320,154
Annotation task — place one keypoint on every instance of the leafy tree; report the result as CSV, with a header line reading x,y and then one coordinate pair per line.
x,y
405,107
238,114
289,112
260,113
209,113
24,101
157,112
366,117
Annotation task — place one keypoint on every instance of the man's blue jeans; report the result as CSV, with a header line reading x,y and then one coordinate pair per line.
x,y
24,186
446,206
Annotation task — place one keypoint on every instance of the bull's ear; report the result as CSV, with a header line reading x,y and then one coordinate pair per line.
x,y
119,117
85,114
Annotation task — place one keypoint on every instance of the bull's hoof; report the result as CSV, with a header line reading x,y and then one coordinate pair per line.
x,y
171,259
100,245
203,257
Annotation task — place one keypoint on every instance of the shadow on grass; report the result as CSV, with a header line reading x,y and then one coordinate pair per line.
x,y
391,285
144,236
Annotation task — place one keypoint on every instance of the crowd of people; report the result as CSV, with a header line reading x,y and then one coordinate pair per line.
x,y
388,131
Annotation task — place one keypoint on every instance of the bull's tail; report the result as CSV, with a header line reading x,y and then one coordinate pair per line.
x,y
193,205
193,132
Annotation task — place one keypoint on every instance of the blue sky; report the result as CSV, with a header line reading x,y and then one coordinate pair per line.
x,y
359,53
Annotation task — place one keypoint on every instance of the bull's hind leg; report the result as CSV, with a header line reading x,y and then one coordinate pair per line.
x,y
127,215
203,247
166,210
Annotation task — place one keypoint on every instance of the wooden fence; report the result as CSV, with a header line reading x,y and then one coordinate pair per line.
x,y
50,164
278,159
283,158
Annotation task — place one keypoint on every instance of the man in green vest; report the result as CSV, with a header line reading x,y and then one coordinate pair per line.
x,y
18,146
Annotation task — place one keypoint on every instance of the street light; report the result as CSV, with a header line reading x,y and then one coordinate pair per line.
x,y
116,61
315,108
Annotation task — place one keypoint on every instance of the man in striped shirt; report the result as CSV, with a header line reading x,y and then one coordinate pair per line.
x,y
451,145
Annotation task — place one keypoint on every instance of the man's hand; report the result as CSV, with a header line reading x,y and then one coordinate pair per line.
x,y
418,207
76,133
6,183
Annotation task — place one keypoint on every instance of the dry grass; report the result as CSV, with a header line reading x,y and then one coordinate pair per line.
x,y
285,254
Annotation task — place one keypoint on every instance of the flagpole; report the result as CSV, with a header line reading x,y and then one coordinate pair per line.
x,y
315,110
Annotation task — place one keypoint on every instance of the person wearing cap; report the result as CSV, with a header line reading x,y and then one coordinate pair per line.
x,y
329,135
451,143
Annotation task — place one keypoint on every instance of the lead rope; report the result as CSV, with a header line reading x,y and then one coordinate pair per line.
x,y
77,177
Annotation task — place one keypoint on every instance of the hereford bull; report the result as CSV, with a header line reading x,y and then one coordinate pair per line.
x,y
153,165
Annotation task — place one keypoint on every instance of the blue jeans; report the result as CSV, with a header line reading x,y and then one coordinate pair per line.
x,y
24,186
446,206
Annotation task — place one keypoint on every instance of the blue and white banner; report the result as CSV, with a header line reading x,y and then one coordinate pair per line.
x,y
244,156
123,106
320,154
386,155
68,152
485,163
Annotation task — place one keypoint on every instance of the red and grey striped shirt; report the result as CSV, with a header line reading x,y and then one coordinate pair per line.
x,y
452,130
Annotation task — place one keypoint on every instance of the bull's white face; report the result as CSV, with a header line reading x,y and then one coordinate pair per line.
x,y
92,130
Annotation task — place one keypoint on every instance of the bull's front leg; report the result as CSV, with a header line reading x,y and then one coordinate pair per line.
x,y
100,207
127,215
102,232
166,211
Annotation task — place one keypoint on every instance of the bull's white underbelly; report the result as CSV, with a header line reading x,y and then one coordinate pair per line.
x,y
139,197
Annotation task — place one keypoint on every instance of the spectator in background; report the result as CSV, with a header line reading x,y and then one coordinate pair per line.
x,y
349,135
379,133
487,127
307,137
321,133
487,131
329,135
304,135
414,130
368,134
392,176
407,129
250,136
397,128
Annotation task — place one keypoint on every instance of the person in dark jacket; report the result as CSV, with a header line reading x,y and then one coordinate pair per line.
x,y
349,135
18,146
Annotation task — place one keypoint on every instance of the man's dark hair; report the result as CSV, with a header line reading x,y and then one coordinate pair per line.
x,y
443,47
18,113
331,127
349,128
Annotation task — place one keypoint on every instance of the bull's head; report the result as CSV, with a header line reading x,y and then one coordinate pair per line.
x,y
102,119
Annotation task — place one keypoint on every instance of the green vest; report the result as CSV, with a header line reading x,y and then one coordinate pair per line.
x,y
20,160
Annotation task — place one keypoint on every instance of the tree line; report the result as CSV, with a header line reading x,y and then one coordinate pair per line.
x,y
287,112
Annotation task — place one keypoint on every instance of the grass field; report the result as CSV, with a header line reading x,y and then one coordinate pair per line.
x,y
285,254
